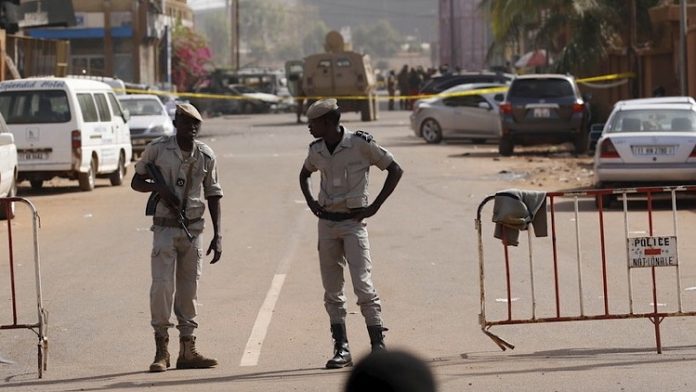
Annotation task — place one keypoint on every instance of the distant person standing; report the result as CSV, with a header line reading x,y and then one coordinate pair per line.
x,y
344,159
299,101
391,88
402,79
414,81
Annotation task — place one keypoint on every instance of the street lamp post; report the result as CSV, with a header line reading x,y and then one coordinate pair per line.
x,y
682,47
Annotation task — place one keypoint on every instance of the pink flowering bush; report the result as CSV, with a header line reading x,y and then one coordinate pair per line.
x,y
191,57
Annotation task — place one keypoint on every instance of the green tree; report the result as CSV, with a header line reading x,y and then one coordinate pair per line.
x,y
577,33
271,32
380,39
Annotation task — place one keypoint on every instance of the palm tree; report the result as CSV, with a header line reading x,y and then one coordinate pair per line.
x,y
576,33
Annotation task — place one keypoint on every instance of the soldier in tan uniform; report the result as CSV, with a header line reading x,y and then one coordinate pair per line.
x,y
189,169
344,159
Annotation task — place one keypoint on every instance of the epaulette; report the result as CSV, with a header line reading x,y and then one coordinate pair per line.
x,y
205,150
364,135
315,142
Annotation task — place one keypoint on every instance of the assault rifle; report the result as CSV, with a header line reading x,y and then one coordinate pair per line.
x,y
156,176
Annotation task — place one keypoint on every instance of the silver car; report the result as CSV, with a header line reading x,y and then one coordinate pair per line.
x,y
646,143
459,111
148,119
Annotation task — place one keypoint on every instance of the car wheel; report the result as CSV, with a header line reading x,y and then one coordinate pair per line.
x,y
36,184
4,212
505,146
116,178
88,179
431,131
247,108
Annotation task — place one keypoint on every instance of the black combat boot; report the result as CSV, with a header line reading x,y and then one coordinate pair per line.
x,y
341,356
376,337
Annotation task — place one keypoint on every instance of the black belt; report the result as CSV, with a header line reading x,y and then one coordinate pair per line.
x,y
338,216
171,222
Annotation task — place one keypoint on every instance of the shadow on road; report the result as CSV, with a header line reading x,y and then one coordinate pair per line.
x,y
110,381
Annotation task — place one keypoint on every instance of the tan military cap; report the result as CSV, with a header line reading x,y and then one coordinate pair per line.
x,y
321,107
188,110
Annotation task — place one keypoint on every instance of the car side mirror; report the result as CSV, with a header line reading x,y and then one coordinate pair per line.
x,y
6,138
499,97
485,105
125,113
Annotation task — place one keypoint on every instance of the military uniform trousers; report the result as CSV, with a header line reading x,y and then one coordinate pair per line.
x,y
340,244
176,269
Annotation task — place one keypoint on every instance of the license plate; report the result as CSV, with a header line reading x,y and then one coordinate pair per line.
x,y
542,112
33,156
653,150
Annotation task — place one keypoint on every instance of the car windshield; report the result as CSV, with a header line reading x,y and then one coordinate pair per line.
x,y
541,88
654,120
142,107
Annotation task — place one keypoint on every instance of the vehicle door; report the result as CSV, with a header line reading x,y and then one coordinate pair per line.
x,y
544,100
92,130
41,123
110,134
471,118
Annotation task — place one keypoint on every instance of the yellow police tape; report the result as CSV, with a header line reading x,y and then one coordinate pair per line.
x,y
492,90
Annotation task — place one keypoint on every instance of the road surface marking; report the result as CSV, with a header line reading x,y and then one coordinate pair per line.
x,y
252,351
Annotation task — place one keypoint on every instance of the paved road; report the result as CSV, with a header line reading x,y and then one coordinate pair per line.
x,y
261,311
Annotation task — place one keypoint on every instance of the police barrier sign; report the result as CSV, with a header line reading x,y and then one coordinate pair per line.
x,y
652,251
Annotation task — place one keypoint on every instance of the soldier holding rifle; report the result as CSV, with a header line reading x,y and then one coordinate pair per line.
x,y
179,169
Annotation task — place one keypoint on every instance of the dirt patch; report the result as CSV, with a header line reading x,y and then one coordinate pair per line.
x,y
551,169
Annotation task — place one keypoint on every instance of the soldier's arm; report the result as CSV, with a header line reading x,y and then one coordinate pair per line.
x,y
140,184
215,217
394,173
313,205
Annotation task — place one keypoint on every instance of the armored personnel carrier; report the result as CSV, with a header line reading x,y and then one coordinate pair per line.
x,y
343,74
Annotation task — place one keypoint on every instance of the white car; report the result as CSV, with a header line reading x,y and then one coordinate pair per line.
x,y
148,121
8,168
456,112
647,143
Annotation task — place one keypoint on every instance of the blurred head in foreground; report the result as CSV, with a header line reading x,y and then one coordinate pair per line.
x,y
391,371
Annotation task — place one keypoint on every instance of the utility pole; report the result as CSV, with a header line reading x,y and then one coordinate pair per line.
x,y
682,48
236,34
453,48
233,30
108,42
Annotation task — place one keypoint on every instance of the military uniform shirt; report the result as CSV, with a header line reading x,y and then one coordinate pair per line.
x,y
167,156
344,174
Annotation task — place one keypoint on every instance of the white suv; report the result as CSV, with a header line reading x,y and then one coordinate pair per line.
x,y
8,168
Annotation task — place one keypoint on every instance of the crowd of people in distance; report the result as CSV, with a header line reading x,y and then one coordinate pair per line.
x,y
408,82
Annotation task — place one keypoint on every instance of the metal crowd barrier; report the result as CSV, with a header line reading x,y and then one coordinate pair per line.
x,y
40,326
575,274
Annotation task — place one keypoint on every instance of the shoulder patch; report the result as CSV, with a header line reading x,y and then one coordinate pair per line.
x,y
364,135
205,150
315,142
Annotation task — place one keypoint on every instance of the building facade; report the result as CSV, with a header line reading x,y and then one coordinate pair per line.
x,y
464,35
127,39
